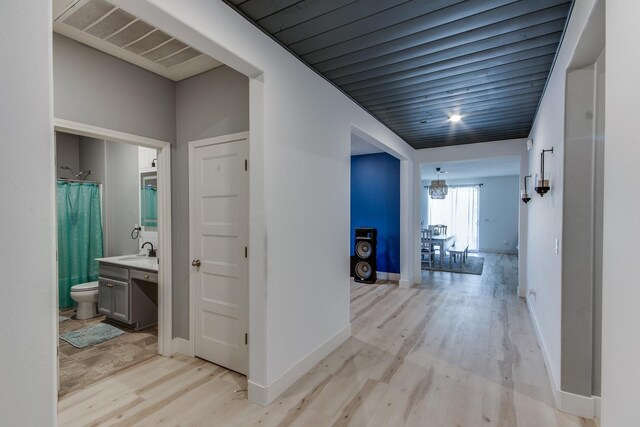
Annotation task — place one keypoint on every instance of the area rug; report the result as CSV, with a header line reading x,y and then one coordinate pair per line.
x,y
62,319
473,265
91,335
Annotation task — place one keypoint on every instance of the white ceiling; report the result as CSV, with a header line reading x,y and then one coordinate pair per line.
x,y
359,146
503,166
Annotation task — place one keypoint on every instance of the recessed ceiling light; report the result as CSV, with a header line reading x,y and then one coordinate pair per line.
x,y
455,118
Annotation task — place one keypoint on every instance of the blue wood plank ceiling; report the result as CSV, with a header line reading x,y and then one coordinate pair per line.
x,y
413,63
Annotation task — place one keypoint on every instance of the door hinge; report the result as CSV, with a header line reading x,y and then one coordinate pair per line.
x,y
246,253
246,339
246,164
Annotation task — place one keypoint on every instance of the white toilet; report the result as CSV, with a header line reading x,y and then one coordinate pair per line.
x,y
86,295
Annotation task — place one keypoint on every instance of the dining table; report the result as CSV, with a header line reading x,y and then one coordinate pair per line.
x,y
443,241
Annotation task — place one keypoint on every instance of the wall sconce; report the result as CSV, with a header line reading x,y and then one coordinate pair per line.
x,y
524,194
542,182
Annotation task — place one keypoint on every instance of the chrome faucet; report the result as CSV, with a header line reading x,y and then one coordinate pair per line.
x,y
152,252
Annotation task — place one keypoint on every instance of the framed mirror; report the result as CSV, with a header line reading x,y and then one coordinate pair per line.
x,y
149,199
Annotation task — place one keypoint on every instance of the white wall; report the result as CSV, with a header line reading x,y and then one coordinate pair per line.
x,y
544,273
211,104
67,154
122,197
300,148
497,211
621,293
485,150
97,89
27,219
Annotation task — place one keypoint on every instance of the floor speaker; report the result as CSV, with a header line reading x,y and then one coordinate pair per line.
x,y
364,250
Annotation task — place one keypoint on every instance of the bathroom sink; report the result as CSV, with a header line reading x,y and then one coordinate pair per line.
x,y
132,261
135,258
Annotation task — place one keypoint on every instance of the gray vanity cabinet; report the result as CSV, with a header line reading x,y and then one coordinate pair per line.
x,y
113,299
128,295
113,292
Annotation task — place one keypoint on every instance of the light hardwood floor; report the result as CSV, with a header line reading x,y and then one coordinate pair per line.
x,y
457,351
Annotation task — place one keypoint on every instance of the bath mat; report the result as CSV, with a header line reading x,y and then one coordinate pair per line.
x,y
474,265
91,335
62,319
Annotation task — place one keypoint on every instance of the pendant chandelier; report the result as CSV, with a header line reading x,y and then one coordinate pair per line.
x,y
438,188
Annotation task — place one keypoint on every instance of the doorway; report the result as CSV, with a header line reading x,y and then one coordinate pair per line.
x,y
218,199
163,224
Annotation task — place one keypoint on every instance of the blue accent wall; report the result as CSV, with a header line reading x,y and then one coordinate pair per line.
x,y
375,202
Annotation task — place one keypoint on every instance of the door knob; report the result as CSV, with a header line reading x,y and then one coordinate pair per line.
x,y
196,263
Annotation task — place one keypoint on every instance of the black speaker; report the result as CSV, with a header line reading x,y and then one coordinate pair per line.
x,y
364,250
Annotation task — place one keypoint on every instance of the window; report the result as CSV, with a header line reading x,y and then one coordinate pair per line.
x,y
459,212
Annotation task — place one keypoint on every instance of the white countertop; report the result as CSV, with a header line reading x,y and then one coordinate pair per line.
x,y
135,261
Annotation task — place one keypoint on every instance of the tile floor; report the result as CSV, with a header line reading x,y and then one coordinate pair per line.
x,y
82,367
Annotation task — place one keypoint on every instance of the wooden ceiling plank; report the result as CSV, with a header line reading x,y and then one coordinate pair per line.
x,y
501,45
495,57
456,82
472,128
444,99
259,9
532,57
505,130
333,22
505,133
420,144
473,124
470,123
418,119
300,13
370,25
437,39
430,56
442,109
461,88
463,104
514,69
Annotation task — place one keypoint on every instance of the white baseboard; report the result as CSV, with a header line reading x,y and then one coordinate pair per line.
x,y
597,400
574,404
383,275
507,251
180,345
263,395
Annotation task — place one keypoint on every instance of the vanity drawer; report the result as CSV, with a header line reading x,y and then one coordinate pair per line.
x,y
147,276
113,272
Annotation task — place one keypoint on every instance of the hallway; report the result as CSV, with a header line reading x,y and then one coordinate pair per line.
x,y
459,350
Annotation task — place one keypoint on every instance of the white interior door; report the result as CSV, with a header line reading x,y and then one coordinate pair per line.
x,y
218,206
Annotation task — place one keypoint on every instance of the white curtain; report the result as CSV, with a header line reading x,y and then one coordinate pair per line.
x,y
459,212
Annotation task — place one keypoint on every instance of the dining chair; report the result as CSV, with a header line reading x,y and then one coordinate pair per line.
x,y
426,246
440,229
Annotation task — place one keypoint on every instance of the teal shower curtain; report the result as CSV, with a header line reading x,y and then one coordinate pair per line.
x,y
79,236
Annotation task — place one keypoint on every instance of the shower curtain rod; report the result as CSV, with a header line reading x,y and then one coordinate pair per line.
x,y
78,180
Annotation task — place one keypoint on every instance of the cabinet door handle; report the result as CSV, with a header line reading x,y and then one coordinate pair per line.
x,y
109,285
196,263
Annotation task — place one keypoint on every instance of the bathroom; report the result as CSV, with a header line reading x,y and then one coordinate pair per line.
x,y
107,211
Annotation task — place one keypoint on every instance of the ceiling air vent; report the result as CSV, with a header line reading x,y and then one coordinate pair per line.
x,y
106,27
